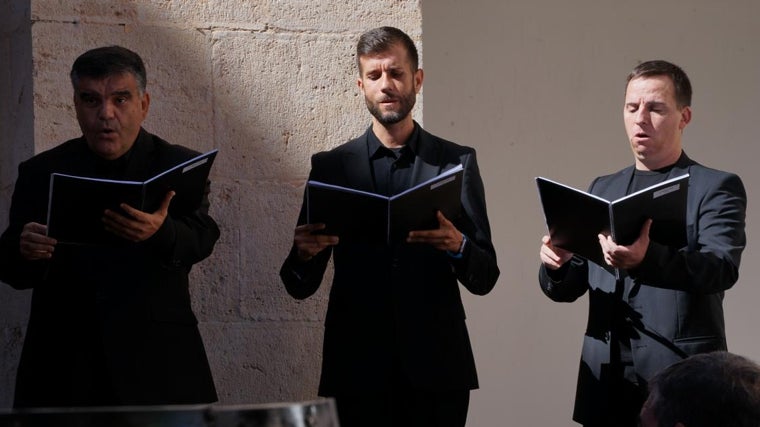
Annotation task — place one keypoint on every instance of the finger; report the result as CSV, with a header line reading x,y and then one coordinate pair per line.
x,y
37,242
115,219
37,252
605,242
323,240
424,234
308,228
34,227
129,210
33,251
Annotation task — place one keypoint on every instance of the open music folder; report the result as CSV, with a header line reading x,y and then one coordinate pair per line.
x,y
76,203
574,218
355,215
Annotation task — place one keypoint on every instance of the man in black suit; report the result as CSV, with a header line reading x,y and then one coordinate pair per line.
x,y
396,348
109,325
668,305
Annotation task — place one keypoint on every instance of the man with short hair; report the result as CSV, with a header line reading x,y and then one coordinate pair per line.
x,y
667,305
109,324
705,390
396,348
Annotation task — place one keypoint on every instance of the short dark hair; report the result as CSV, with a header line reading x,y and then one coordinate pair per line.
x,y
709,389
106,61
658,67
380,39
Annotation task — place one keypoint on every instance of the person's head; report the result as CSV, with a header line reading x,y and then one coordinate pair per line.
x,y
389,74
657,108
705,390
110,98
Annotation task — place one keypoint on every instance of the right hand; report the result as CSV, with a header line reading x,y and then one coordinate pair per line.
x,y
551,256
34,244
136,225
309,244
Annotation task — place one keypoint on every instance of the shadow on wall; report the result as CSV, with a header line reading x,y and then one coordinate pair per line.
x,y
268,100
16,144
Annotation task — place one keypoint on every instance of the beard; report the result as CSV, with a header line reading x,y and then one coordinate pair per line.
x,y
406,103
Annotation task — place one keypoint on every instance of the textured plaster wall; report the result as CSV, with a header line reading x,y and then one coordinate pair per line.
x,y
267,82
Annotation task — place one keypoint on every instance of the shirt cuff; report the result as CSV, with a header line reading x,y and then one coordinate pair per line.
x,y
458,254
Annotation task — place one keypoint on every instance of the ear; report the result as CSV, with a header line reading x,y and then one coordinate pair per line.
x,y
685,117
419,75
145,104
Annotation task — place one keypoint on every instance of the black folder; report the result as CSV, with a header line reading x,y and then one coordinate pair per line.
x,y
76,203
574,218
360,216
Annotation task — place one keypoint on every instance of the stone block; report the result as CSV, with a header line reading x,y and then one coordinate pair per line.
x,y
264,362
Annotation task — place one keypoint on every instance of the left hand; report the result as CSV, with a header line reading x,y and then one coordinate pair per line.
x,y
626,257
446,237
137,225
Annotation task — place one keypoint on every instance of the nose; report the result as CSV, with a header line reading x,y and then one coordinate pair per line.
x,y
106,110
386,82
642,115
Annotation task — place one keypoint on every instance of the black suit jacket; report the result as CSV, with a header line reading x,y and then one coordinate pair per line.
x,y
109,318
397,310
673,300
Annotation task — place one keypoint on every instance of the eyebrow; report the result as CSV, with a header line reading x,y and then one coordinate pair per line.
x,y
648,103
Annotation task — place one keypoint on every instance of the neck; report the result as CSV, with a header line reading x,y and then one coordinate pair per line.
x,y
653,166
659,163
394,135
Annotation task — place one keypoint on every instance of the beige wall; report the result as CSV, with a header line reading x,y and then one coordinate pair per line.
x,y
268,82
537,87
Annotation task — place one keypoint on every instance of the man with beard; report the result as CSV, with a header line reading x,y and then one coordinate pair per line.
x,y
396,349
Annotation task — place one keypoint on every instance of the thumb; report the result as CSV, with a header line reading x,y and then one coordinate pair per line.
x,y
442,220
164,208
645,229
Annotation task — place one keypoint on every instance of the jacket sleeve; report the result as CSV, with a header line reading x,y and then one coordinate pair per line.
x,y
28,204
477,269
567,283
302,279
186,238
710,263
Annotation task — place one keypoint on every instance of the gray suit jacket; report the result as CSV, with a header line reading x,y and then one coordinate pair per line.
x,y
397,309
673,300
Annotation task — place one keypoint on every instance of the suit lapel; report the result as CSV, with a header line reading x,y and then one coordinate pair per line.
x,y
681,167
356,165
427,162
620,187
141,150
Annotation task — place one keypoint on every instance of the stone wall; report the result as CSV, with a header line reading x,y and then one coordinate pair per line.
x,y
268,82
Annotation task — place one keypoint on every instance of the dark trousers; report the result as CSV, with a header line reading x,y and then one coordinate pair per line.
x,y
403,406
